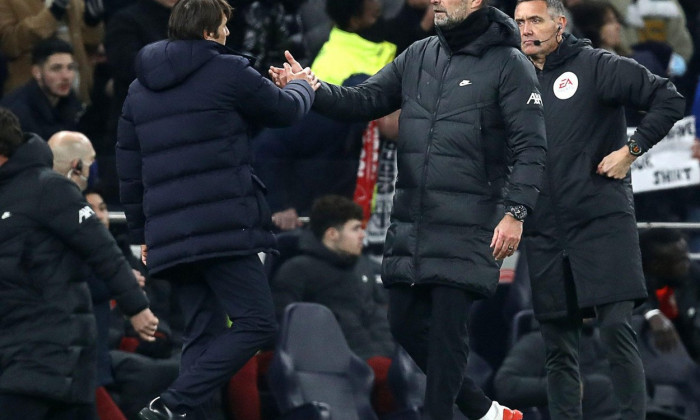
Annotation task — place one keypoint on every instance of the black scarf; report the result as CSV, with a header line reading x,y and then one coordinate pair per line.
x,y
468,30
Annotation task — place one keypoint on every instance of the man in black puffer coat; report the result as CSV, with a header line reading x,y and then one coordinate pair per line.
x,y
471,147
582,245
47,328
191,198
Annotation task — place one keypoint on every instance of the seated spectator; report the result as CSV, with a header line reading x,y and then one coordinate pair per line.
x,y
24,24
521,380
48,104
332,271
657,20
674,290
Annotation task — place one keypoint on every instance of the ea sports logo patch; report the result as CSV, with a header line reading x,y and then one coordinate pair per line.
x,y
566,85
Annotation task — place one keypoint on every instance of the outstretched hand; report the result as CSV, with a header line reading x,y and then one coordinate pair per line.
x,y
292,70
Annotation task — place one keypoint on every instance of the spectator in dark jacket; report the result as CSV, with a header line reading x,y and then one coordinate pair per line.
x,y
582,246
48,104
470,156
191,198
47,329
332,271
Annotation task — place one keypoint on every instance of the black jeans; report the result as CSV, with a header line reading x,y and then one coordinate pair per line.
x,y
212,352
561,339
431,323
24,407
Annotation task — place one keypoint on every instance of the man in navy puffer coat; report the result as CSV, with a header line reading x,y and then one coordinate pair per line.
x,y
190,196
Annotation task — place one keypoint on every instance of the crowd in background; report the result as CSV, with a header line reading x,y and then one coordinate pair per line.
x,y
68,64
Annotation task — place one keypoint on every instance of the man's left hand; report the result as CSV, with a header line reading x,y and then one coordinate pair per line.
x,y
617,164
506,237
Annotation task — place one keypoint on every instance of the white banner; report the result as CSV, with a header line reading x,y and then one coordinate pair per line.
x,y
668,164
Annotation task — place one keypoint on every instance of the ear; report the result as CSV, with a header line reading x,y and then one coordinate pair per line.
x,y
331,234
36,72
476,4
562,24
207,35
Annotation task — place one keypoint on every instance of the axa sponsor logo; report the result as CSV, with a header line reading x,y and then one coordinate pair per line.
x,y
566,85
84,214
535,98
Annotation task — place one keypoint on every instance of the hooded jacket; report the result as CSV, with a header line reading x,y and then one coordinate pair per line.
x,y
349,286
47,231
183,151
471,137
581,218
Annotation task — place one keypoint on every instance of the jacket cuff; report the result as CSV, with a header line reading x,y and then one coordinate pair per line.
x,y
132,302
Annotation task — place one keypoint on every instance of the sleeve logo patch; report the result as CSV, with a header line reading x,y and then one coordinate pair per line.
x,y
566,85
84,214
535,98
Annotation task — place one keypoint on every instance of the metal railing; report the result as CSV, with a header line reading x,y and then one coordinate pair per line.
x,y
119,217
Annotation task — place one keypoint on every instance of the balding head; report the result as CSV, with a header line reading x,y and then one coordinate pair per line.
x,y
72,156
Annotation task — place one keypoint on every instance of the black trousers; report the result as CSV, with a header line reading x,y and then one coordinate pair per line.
x,y
562,338
24,407
431,323
212,352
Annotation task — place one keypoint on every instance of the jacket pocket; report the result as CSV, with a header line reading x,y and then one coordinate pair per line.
x,y
264,212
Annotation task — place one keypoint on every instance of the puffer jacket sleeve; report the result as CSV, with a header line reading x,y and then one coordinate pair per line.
x,y
521,107
623,81
260,100
69,217
128,153
376,97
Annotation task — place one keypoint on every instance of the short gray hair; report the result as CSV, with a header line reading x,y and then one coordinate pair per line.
x,y
554,7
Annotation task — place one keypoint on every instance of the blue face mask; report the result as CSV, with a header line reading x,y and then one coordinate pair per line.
x,y
677,66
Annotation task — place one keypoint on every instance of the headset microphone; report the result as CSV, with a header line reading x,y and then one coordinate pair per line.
x,y
538,42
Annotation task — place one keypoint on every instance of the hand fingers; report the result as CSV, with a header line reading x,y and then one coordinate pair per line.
x,y
146,337
290,58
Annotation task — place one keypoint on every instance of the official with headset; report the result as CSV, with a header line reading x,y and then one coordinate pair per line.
x,y
581,240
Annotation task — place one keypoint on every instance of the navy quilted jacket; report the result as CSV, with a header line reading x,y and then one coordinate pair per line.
x,y
183,151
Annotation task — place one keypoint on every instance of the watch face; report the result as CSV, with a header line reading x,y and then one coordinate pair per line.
x,y
519,212
635,150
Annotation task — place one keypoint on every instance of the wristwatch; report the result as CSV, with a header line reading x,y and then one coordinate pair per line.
x,y
635,150
519,212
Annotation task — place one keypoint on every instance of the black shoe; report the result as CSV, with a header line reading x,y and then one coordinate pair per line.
x,y
157,410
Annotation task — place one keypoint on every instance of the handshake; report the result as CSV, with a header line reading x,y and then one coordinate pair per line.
x,y
292,71
94,10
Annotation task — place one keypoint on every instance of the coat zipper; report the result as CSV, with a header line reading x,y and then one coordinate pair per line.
x,y
425,169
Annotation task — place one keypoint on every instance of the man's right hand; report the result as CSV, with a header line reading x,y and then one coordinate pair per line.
x,y
145,324
281,75
665,334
